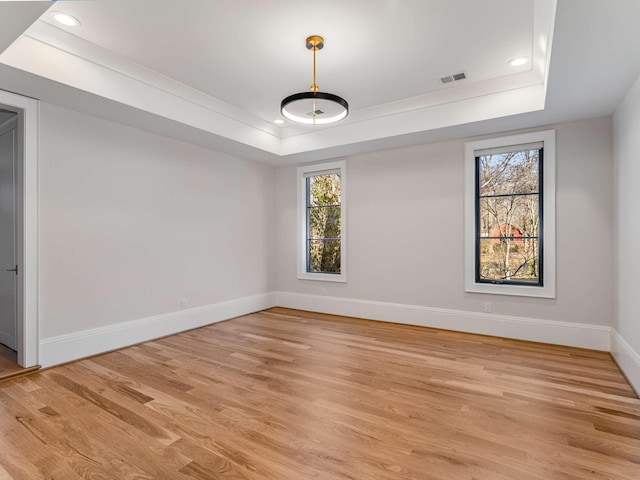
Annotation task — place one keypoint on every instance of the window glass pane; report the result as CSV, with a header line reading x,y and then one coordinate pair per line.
x,y
508,173
324,189
515,259
509,216
509,209
324,256
324,222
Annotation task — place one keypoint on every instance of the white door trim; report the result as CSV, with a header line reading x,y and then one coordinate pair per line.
x,y
27,252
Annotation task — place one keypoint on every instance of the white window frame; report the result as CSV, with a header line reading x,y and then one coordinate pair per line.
x,y
303,172
548,289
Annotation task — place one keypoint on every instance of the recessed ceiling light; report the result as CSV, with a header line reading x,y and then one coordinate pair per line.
x,y
65,19
279,121
516,62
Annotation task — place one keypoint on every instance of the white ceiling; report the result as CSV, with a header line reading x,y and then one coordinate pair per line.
x,y
214,72
251,54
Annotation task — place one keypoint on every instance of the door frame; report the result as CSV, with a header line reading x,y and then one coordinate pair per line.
x,y
26,223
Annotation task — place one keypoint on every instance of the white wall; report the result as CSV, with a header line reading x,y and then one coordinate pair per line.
x,y
405,232
626,338
131,223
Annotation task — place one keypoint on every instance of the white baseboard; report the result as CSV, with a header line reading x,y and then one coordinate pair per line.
x,y
65,348
628,359
595,337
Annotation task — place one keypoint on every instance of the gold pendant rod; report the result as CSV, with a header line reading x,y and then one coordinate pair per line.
x,y
314,87
315,43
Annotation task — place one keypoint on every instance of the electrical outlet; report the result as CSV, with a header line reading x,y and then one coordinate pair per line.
x,y
183,304
487,307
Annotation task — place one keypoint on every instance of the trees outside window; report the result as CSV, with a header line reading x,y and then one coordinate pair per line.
x,y
323,222
508,206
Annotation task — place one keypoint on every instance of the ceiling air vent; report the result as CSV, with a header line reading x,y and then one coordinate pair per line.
x,y
456,77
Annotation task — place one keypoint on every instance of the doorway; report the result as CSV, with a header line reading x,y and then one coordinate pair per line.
x,y
18,230
9,212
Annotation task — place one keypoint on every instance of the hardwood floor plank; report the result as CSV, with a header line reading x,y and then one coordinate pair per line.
x,y
291,395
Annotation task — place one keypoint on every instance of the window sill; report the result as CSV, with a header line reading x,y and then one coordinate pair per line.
x,y
323,277
517,290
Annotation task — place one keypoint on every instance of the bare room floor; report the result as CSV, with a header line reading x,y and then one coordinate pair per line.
x,y
291,395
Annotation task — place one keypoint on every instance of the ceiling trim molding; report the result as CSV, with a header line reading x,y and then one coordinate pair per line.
x,y
33,56
62,40
42,59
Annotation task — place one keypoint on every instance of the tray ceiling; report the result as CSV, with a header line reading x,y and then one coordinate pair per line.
x,y
214,72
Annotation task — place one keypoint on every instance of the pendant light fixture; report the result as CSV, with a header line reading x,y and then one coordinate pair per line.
x,y
314,107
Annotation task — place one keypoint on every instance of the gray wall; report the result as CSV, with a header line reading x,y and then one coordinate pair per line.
x,y
405,230
131,223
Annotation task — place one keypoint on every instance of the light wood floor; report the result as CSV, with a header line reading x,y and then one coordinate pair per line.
x,y
289,395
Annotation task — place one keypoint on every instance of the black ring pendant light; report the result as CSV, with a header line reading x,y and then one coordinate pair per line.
x,y
314,107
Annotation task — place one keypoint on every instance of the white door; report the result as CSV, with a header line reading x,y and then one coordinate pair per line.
x,y
8,268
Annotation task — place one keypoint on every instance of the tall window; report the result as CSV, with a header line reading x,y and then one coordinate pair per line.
x,y
321,216
508,212
510,215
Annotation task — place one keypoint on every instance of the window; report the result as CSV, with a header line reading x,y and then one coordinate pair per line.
x,y
321,222
508,211
510,215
